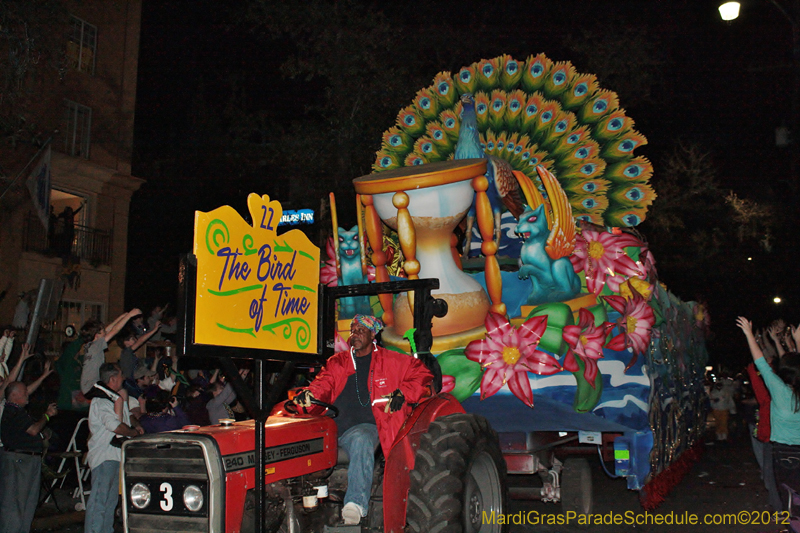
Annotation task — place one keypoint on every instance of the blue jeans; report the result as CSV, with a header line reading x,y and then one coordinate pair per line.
x,y
360,443
103,498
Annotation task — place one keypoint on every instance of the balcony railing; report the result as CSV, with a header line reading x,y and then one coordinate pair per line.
x,y
88,244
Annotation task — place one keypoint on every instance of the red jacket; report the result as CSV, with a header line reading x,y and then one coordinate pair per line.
x,y
764,401
389,371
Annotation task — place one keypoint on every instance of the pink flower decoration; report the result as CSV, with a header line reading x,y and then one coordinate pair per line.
x,y
339,344
586,340
507,354
635,324
327,273
602,255
448,383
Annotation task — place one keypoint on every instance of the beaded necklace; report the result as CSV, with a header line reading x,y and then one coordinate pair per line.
x,y
369,382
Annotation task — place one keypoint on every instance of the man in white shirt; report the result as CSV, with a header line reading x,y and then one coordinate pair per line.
x,y
109,424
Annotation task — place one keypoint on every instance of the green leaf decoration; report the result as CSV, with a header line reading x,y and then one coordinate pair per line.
x,y
558,315
467,373
586,396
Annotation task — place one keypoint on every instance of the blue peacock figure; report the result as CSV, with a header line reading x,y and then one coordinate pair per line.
x,y
530,113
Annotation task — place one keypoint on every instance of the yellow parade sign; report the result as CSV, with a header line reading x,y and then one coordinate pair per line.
x,y
255,288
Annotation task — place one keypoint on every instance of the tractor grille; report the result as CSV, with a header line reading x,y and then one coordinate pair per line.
x,y
167,464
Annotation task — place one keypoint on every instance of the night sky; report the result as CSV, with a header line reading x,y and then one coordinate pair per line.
x,y
723,86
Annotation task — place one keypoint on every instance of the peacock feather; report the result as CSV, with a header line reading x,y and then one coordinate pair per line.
x,y
529,113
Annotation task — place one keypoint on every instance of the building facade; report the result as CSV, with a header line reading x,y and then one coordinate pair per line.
x,y
89,115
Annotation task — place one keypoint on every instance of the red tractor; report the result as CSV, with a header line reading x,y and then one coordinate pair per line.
x,y
445,471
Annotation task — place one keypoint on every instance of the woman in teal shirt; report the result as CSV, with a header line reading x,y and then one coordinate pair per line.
x,y
784,388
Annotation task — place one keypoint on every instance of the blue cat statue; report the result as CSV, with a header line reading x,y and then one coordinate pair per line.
x,y
350,265
552,279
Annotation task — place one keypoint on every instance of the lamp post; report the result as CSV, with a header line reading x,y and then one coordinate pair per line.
x,y
790,9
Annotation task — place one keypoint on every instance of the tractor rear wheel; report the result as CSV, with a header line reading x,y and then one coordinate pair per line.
x,y
459,479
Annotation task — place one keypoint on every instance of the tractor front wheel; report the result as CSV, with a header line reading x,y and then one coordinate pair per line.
x,y
459,479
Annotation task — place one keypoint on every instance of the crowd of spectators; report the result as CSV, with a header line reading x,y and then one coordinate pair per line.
x,y
774,426
125,377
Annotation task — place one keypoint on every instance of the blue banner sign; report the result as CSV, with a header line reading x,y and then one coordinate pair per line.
x,y
301,216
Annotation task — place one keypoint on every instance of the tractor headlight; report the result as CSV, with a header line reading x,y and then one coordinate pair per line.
x,y
140,495
193,498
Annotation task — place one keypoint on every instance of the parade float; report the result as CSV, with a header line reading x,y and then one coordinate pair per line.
x,y
515,184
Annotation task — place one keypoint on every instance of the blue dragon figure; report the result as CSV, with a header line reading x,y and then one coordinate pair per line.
x,y
351,274
544,258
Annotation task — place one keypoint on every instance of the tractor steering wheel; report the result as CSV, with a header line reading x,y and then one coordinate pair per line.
x,y
331,410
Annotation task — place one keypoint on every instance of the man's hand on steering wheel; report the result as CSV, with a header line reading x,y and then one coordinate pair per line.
x,y
303,398
395,403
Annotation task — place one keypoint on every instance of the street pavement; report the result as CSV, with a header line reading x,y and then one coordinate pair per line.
x,y
724,484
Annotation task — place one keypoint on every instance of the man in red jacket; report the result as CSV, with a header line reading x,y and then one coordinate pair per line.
x,y
372,387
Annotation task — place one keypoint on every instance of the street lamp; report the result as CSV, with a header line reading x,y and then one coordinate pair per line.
x,y
729,11
790,9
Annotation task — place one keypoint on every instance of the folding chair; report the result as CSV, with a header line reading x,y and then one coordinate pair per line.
x,y
49,479
81,470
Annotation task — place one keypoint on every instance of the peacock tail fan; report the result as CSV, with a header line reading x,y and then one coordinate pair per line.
x,y
632,194
537,157
589,169
571,141
497,110
515,103
563,124
482,110
466,81
512,73
524,146
623,147
414,159
558,79
588,204
612,126
451,120
529,113
386,161
577,186
427,104
445,89
599,105
639,169
489,142
511,147
396,141
536,69
544,122
584,153
622,216
592,218
439,136
410,122
583,87
488,73
500,145
426,148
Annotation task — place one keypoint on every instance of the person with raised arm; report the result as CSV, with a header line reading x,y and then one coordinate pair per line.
x,y
784,389
101,335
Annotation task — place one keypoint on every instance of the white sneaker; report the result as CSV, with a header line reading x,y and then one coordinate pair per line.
x,y
352,513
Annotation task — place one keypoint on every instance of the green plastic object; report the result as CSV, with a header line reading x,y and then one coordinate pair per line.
x,y
558,315
467,373
409,336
